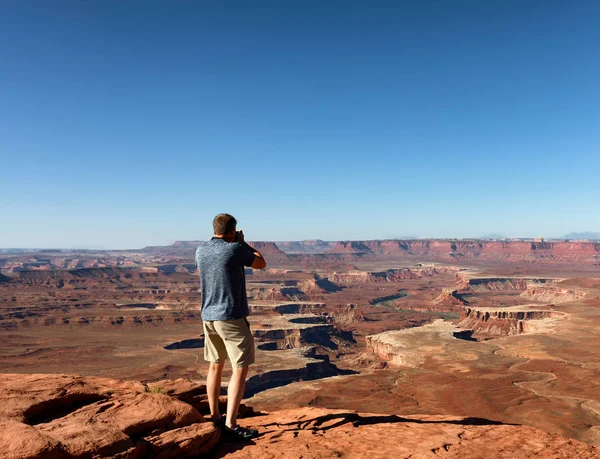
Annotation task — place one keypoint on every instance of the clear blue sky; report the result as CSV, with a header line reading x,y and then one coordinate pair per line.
x,y
132,123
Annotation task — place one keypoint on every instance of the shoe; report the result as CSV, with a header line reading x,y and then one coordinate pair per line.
x,y
220,423
240,433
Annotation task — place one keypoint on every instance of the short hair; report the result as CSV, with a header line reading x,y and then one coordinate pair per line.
x,y
224,224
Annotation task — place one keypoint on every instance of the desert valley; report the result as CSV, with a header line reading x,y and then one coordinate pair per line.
x,y
423,347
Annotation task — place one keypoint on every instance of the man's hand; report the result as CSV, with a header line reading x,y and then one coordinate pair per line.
x,y
259,261
239,236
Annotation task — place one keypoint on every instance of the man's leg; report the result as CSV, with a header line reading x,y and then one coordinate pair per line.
x,y
215,353
213,389
235,392
239,343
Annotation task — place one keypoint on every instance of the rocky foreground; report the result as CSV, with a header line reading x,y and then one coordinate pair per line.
x,y
64,416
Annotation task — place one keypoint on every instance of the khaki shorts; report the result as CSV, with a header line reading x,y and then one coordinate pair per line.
x,y
229,338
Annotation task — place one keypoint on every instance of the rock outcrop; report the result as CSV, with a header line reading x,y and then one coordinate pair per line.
x,y
309,289
347,314
504,321
267,248
391,275
396,347
276,293
449,297
497,284
551,294
61,416
318,286
311,433
292,331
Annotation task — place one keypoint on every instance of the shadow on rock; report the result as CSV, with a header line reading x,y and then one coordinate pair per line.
x,y
227,446
324,423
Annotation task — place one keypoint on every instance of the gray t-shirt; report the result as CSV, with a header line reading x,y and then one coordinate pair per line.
x,y
222,279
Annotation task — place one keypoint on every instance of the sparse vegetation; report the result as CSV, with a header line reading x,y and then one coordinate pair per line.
x,y
154,389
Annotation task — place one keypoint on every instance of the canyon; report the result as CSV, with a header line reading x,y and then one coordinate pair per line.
x,y
443,347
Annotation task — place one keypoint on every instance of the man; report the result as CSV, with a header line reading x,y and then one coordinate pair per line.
x,y
227,333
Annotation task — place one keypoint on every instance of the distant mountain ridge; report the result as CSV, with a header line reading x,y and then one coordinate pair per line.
x,y
307,246
590,235
493,236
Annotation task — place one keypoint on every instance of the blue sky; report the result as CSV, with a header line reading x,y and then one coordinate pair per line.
x,y
132,123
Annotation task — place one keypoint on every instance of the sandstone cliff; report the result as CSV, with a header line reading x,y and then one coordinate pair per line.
x,y
507,321
392,275
497,284
531,251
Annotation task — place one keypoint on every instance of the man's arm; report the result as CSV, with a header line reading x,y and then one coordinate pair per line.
x,y
259,261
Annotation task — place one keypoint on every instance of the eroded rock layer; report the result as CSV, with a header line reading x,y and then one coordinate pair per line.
x,y
505,321
62,416
551,294
391,275
498,284
530,251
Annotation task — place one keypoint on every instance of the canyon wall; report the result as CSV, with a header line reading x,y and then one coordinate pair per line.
x,y
180,255
502,322
498,284
391,275
565,251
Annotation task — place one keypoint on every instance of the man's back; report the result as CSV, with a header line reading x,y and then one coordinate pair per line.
x,y
222,279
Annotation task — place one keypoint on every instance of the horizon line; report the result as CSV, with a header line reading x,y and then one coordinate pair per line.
x,y
482,238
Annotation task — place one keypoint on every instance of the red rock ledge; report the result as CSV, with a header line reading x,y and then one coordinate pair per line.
x,y
63,416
